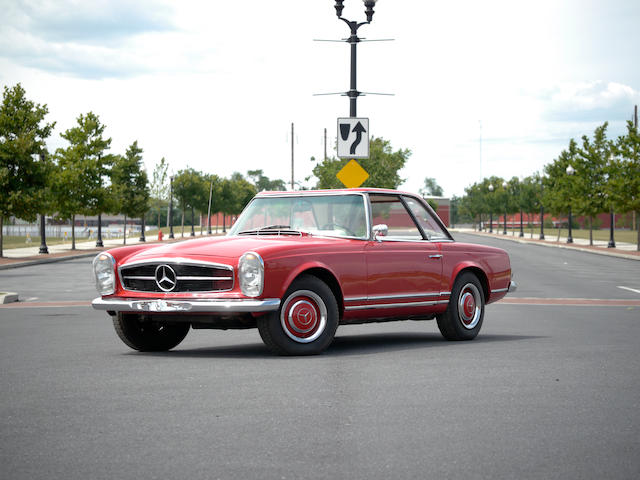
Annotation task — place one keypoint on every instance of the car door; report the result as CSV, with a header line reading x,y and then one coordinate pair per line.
x,y
404,269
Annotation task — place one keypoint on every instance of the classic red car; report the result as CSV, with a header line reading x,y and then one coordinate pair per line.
x,y
298,264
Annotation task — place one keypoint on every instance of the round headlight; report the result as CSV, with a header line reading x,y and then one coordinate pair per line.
x,y
104,273
251,274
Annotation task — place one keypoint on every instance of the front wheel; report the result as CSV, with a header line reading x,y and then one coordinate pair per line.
x,y
148,335
306,321
463,318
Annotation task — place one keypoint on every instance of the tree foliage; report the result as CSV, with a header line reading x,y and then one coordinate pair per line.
x,y
129,183
382,166
431,188
24,166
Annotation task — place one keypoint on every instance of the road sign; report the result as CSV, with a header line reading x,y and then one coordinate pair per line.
x,y
352,175
353,137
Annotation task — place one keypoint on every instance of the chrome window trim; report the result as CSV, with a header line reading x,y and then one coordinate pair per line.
x,y
179,261
362,195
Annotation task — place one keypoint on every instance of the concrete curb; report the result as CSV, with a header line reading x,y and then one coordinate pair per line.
x,y
555,245
39,261
8,297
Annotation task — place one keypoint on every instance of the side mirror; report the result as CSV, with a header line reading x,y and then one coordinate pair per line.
x,y
380,230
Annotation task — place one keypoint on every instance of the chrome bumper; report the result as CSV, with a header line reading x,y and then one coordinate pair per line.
x,y
187,306
513,286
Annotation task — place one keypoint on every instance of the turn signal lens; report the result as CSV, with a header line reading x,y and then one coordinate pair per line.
x,y
104,273
251,274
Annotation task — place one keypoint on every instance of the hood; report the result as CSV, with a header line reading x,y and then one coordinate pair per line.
x,y
232,247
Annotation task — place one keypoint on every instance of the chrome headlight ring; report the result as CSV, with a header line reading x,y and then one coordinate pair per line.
x,y
251,274
104,273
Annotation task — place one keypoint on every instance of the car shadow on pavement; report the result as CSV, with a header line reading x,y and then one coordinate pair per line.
x,y
391,341
343,345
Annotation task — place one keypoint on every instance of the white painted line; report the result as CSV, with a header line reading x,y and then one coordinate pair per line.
x,y
630,289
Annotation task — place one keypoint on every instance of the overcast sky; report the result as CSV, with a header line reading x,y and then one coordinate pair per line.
x,y
216,85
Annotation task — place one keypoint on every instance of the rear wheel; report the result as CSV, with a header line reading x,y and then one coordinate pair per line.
x,y
463,318
306,321
148,335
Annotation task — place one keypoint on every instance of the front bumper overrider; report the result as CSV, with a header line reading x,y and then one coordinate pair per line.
x,y
218,306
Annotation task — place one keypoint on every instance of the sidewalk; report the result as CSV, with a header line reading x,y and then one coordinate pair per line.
x,y
622,250
20,257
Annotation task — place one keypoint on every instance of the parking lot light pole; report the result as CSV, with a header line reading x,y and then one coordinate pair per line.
x,y
612,242
170,207
570,172
353,40
504,186
491,212
541,210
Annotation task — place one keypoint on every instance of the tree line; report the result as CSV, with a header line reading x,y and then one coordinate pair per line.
x,y
85,178
597,175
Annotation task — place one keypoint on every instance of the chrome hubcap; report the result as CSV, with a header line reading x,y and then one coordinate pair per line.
x,y
303,316
469,306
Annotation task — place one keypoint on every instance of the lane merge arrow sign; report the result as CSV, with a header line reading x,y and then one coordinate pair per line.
x,y
353,137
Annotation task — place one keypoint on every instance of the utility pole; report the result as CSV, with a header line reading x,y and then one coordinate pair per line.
x,y
325,144
292,178
480,122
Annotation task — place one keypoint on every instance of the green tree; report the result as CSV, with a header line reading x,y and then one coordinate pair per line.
x,y
129,184
264,183
530,196
159,188
591,175
625,174
382,166
87,164
431,188
189,188
23,170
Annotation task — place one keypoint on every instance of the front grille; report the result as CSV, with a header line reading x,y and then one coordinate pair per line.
x,y
188,278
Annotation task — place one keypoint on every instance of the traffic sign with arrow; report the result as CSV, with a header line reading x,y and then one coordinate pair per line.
x,y
353,137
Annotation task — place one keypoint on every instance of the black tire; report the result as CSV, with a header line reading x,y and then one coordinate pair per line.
x,y
148,335
464,315
306,321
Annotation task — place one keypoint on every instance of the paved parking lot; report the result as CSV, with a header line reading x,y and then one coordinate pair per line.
x,y
545,391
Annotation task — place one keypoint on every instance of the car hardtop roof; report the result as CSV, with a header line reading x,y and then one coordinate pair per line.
x,y
335,190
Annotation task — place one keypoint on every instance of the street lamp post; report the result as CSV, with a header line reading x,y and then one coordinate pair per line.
x,y
353,40
612,242
504,186
541,210
490,211
171,207
570,172
142,238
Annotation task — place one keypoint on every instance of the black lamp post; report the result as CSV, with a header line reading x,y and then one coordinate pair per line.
x,y
612,242
171,207
570,172
541,210
353,40
506,199
142,236
491,212
43,235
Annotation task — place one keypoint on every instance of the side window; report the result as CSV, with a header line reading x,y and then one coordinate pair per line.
x,y
429,225
389,210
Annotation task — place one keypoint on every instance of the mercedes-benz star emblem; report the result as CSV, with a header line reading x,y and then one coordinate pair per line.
x,y
165,278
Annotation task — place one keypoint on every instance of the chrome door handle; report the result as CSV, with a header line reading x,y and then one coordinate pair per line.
x,y
437,255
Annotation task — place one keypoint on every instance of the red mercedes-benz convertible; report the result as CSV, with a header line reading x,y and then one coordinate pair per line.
x,y
298,264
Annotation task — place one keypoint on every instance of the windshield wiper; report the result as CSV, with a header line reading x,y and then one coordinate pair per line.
x,y
268,228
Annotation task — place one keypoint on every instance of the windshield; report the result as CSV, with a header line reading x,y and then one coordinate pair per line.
x,y
328,215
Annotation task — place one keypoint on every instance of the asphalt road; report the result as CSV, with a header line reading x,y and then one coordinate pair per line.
x,y
543,392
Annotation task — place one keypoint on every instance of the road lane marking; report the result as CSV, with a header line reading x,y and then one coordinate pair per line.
x,y
630,289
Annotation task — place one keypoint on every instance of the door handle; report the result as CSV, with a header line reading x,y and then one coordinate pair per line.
x,y
436,255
